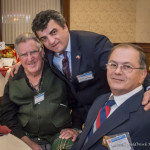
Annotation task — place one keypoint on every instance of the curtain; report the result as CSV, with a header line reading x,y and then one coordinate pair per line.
x,y
17,16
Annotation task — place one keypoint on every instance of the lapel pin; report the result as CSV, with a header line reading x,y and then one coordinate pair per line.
x,y
77,57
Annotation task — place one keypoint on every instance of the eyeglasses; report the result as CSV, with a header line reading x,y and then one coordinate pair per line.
x,y
124,67
33,53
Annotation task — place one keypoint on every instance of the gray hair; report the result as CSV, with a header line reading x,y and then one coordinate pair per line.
x,y
42,19
25,37
142,57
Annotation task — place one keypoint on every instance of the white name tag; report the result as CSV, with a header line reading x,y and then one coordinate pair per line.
x,y
121,142
39,98
84,77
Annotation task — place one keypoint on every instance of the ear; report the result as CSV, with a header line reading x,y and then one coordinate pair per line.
x,y
66,28
143,74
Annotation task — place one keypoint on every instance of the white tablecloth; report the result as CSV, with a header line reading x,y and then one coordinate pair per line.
x,y
10,142
3,81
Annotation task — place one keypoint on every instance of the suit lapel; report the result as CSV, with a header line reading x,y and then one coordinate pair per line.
x,y
75,55
117,118
91,121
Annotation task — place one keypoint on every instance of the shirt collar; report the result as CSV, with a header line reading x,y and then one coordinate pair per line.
x,y
122,98
68,49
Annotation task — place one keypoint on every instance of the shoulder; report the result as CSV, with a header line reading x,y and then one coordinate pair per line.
x,y
142,114
20,74
86,34
101,98
50,77
99,101
140,122
90,40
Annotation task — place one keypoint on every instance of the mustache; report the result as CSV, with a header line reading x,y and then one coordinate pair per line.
x,y
117,78
32,62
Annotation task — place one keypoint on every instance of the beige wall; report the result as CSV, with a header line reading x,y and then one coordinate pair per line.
x,y
143,21
120,20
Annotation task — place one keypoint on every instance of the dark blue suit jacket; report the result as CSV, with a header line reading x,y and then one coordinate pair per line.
x,y
93,50
129,117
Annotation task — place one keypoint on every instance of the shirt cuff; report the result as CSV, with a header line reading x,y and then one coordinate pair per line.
x,y
148,88
78,130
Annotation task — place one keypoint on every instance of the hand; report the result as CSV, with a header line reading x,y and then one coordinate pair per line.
x,y
146,100
68,133
31,144
14,69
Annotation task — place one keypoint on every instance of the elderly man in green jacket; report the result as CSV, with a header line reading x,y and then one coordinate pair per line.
x,y
35,101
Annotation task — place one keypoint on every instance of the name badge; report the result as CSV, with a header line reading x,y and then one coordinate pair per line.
x,y
119,142
85,77
39,98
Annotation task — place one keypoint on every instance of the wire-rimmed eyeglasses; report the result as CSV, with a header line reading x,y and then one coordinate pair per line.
x,y
32,53
124,67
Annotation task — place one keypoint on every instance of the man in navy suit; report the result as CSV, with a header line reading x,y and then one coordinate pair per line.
x,y
87,54
126,71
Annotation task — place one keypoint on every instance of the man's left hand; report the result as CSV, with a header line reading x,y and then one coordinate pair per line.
x,y
68,133
146,100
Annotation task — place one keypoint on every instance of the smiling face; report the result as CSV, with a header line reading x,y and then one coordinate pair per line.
x,y
54,37
123,82
32,62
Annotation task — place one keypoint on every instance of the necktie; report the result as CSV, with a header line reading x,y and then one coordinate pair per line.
x,y
65,65
101,117
103,113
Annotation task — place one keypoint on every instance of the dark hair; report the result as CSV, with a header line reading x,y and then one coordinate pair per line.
x,y
142,58
42,19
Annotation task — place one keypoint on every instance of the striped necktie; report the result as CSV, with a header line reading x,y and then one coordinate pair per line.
x,y
101,117
104,113
65,65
